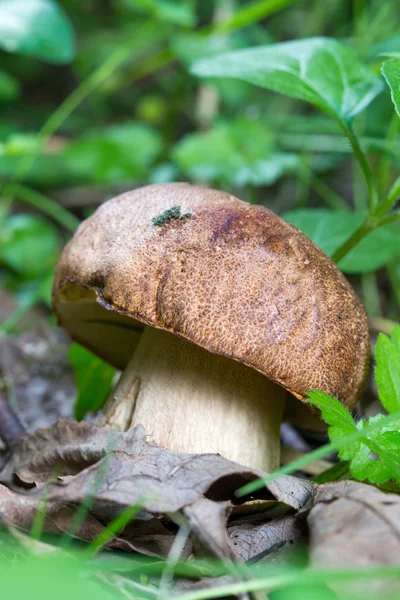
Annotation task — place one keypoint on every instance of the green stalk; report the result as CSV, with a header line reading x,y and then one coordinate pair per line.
x,y
48,206
352,241
360,156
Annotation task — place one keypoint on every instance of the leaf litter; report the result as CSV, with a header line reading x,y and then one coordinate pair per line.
x,y
55,470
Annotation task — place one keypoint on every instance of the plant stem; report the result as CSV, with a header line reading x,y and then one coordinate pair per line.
x,y
48,206
352,241
359,154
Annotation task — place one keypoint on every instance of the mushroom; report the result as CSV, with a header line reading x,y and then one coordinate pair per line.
x,y
214,309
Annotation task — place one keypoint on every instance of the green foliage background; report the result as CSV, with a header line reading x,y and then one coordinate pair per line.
x,y
293,104
99,97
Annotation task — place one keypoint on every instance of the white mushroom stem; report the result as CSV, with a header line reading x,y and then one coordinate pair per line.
x,y
190,400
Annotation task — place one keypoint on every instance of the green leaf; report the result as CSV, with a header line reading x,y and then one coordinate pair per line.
x,y
93,379
387,370
29,245
321,71
377,456
180,12
113,154
37,28
374,457
9,87
329,229
340,421
47,574
237,153
391,72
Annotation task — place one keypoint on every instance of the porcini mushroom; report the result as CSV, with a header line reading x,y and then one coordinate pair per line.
x,y
214,308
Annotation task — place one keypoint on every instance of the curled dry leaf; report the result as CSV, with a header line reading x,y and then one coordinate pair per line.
x,y
256,538
122,468
355,524
77,460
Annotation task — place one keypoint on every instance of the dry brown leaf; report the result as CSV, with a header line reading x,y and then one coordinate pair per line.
x,y
77,460
354,524
256,538
122,469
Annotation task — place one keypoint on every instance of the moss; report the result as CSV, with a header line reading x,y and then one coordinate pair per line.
x,y
171,214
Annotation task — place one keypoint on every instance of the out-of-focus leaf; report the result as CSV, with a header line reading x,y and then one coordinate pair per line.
x,y
9,87
189,47
391,72
29,244
113,154
38,28
241,152
93,380
180,12
192,46
329,229
387,370
321,71
47,577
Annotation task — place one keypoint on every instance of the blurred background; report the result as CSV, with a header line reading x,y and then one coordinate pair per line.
x,y
96,98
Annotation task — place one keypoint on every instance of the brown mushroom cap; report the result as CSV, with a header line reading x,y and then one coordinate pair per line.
x,y
233,278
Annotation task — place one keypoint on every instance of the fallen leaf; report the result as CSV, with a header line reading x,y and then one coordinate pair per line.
x,y
208,522
77,461
122,468
257,538
355,524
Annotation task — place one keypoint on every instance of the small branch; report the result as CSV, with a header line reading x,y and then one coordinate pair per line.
x,y
11,428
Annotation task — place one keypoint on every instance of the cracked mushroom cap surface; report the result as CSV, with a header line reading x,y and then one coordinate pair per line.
x,y
231,277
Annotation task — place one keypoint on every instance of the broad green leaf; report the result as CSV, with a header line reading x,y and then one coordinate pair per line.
x,y
391,72
321,71
28,244
387,370
9,87
236,153
113,154
329,229
93,379
37,28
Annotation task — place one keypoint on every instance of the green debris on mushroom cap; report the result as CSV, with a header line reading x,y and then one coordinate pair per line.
x,y
169,215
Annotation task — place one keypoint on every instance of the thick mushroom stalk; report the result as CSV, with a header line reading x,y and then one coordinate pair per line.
x,y
190,400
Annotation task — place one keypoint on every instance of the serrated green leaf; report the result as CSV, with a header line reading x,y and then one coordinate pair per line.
x,y
377,456
37,28
321,71
329,229
93,379
387,370
391,72
374,457
340,421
